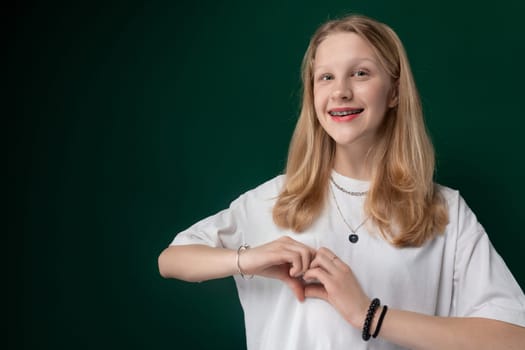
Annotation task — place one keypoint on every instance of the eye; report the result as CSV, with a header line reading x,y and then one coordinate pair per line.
x,y
326,76
360,73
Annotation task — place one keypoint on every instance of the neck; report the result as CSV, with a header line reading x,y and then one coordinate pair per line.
x,y
352,164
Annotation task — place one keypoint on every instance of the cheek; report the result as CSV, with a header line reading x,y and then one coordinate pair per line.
x,y
380,98
319,99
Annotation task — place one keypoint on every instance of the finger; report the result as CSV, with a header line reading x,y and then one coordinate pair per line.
x,y
279,252
317,274
296,262
324,252
324,261
281,273
326,258
336,261
315,290
307,257
296,286
300,258
306,252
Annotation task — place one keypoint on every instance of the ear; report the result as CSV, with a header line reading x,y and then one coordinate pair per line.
x,y
394,99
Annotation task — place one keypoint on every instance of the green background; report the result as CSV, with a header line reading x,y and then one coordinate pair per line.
x,y
129,120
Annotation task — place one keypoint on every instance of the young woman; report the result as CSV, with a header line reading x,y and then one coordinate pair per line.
x,y
355,246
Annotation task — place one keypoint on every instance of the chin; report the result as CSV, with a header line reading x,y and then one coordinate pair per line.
x,y
344,140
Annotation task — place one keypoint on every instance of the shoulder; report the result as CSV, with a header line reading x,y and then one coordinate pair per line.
x,y
453,198
270,187
449,194
266,192
462,219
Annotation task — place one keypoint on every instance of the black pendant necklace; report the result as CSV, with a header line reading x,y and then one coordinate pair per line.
x,y
352,237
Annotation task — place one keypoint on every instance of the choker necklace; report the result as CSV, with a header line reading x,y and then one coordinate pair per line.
x,y
353,230
352,193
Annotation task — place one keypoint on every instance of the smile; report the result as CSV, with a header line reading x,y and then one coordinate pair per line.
x,y
343,113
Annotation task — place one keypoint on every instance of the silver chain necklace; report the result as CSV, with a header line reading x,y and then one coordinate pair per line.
x,y
342,216
352,193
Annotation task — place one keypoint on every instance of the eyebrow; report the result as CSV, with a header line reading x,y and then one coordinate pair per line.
x,y
353,61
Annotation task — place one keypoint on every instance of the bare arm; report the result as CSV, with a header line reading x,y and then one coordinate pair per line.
x,y
408,329
196,262
417,331
284,259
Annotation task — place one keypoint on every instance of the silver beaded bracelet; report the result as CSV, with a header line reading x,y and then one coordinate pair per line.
x,y
241,249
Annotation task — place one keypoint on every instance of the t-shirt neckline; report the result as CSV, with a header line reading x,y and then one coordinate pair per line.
x,y
350,184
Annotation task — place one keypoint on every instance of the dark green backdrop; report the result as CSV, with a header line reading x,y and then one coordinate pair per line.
x,y
130,120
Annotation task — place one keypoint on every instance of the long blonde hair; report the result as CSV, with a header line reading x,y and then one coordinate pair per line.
x,y
402,201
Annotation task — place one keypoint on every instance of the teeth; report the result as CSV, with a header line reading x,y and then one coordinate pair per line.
x,y
343,113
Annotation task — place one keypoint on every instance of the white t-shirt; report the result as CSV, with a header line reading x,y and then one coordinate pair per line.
x,y
458,273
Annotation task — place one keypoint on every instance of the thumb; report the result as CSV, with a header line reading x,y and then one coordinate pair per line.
x,y
315,290
296,286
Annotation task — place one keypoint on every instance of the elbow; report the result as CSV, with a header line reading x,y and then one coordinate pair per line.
x,y
164,265
170,264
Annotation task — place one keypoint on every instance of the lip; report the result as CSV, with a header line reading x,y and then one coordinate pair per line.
x,y
345,118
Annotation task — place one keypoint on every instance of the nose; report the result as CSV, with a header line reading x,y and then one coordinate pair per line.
x,y
342,91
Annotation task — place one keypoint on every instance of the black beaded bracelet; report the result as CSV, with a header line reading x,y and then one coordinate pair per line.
x,y
380,321
369,317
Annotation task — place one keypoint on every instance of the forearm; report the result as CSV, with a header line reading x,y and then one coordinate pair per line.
x,y
195,263
418,331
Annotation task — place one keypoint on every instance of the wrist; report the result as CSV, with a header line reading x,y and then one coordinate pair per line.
x,y
356,320
377,324
370,313
241,251
373,319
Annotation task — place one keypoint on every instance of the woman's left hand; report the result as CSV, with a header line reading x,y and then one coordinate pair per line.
x,y
337,285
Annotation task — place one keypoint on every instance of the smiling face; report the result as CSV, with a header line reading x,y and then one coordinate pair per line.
x,y
352,92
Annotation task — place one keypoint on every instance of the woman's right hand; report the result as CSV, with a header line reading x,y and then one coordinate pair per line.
x,y
284,259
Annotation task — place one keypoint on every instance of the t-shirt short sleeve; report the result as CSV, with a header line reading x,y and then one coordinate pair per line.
x,y
248,216
219,230
483,284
